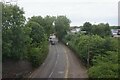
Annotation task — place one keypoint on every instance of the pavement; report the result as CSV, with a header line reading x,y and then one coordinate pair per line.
x,y
60,63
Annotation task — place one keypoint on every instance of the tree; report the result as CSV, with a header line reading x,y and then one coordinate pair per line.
x,y
101,30
87,27
106,66
12,24
38,46
115,27
20,40
118,27
62,24
38,19
37,33
48,24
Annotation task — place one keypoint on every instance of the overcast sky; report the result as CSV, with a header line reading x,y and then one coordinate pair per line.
x,y
78,11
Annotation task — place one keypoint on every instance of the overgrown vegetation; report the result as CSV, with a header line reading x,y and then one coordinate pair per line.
x,y
97,50
20,40
62,24
101,29
12,34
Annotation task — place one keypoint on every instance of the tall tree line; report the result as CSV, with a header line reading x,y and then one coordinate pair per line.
x,y
28,40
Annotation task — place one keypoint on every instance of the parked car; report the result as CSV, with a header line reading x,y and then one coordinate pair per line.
x,y
118,33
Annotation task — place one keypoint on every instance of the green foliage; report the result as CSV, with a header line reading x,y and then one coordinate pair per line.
x,y
49,27
46,23
37,33
38,46
105,66
37,19
87,27
12,34
102,30
111,44
68,37
62,24
103,53
22,41
85,44
36,56
115,27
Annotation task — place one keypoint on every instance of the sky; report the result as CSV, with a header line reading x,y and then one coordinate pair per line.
x,y
78,11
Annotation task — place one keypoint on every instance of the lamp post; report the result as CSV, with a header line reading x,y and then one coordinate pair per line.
x,y
89,53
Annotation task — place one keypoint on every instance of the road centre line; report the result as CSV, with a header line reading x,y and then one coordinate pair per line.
x,y
54,65
67,67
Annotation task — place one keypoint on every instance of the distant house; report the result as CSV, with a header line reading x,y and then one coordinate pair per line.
x,y
115,32
74,29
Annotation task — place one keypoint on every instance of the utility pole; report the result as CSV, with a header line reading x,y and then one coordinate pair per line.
x,y
88,55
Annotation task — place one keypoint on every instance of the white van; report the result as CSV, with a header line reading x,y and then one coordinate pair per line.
x,y
53,40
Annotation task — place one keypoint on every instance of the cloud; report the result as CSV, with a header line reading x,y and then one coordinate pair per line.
x,y
76,10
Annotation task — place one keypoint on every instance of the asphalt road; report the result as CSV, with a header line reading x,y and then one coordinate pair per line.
x,y
60,63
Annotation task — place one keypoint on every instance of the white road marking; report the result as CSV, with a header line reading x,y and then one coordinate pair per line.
x,y
53,69
54,66
50,74
67,67
60,72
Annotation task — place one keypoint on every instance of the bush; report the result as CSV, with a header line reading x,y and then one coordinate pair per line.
x,y
38,45
103,56
22,41
105,66
84,44
34,56
37,56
